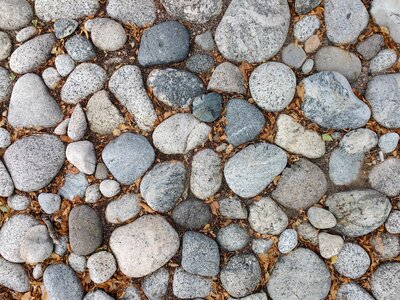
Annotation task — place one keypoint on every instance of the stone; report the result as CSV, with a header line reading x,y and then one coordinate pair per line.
x,y
361,140
135,12
384,177
352,291
92,193
330,58
330,245
200,254
127,86
261,246
330,102
295,138
232,208
15,14
62,128
306,27
85,230
101,171
205,41
194,11
123,209
293,55
5,45
227,78
370,46
321,218
128,157
200,63
47,10
33,161
345,20
51,78
358,212
173,87
384,14
301,274
344,168
62,247
85,80
207,107
383,61
392,224
106,34
77,262
109,188
386,245
312,44
353,261
5,84
77,125
385,281
32,54
12,235
37,271
82,156
61,283
250,16
308,66
287,241
150,238
64,64
36,245
180,134
97,295
301,185
80,48
308,233
13,276
65,27
18,202
388,142
250,170
164,43
25,34
5,138
75,185
233,237
241,275
102,266
257,296
192,214
266,217
155,285
303,7
190,286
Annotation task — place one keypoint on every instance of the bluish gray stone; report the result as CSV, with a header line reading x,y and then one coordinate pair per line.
x,y
18,202
109,188
261,246
287,241
13,276
388,142
49,203
80,48
383,61
65,27
385,281
361,140
385,177
97,295
192,214
293,55
74,185
205,41
207,107
344,168
15,14
370,46
200,63
353,261
64,64
233,237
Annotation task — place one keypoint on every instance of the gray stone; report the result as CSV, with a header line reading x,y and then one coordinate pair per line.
x,y
128,157
64,64
32,54
227,78
144,245
109,188
352,291
241,275
37,271
200,63
163,185
358,212
330,102
353,261
205,41
385,281
80,48
106,34
305,6
18,202
300,186
97,295
62,247
82,156
61,283
256,17
13,276
308,233
384,177
383,61
192,214
92,193
65,27
5,84
77,262
190,286
293,55
15,14
250,170
261,246
135,12
344,168
257,296
131,293
232,208
308,66
193,11
51,77
332,58
361,140
62,128
384,13
173,87
5,138
371,46
392,224
85,79
127,86
34,161
345,20
50,9
101,171
321,218
266,217
155,285
25,34
102,266
386,245
75,185
36,245
306,27
287,241
388,142
233,237
123,209
207,107
77,125
5,45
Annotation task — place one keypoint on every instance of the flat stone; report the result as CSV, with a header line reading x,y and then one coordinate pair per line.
x,y
227,78
189,286
392,224
34,161
144,245
109,188
25,34
384,14
50,9
330,102
361,140
344,168
321,218
268,18
5,45
358,212
306,27
65,27
200,63
36,245
155,285
51,78
82,155
388,142
385,281
371,46
75,185
102,266
205,41
353,261
250,170
383,61
15,14
128,157
101,171
49,203
106,34
192,214
123,209
261,246
386,245
293,55
301,185
194,11
305,6
232,208
135,12
92,193
80,48
173,87
308,233
64,64
6,183
287,241
77,125
18,202
207,107
264,82
233,237
352,291
384,177
13,276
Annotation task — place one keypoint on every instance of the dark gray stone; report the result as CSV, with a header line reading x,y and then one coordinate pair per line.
x,y
192,214
200,63
305,6
207,107
65,27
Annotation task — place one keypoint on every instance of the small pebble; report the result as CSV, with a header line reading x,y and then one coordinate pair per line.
x,y
64,27
51,77
321,218
383,61
37,271
207,107
25,34
109,188
233,237
64,64
18,202
287,241
101,171
392,224
92,193
61,128
329,245
50,203
77,262
261,246
308,66
5,138
205,41
312,44
102,266
293,56
388,142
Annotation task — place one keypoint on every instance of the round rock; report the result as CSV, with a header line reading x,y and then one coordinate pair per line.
x,y
321,218
136,12
388,142
385,281
106,34
287,241
75,185
36,246
109,188
353,261
64,64
344,168
233,237
293,55
18,202
192,214
102,266
384,177
123,209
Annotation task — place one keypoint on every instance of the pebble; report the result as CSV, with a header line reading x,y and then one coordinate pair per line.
x,y
135,12
80,48
233,237
101,171
65,27
150,238
266,217
5,84
85,230
196,12
50,9
13,276
192,214
306,27
272,86
207,107
15,14
353,261
308,66
388,142
330,102
358,212
77,262
361,140
5,138
303,7
5,45
173,87
190,286
330,58
384,177
249,16
155,285
128,157
352,291
97,295
25,34
330,245
123,209
257,296
308,233
295,138
301,185
106,34
109,188
227,78
241,275
261,246
250,170
370,47
232,208
127,86
384,14
92,193
386,245
82,155
312,44
37,271
51,78
287,241
205,41
383,61
344,168
131,293
385,281
6,183
61,283
321,218
77,125
75,185
293,55
62,128
345,20
64,64
18,202
33,161
392,224
102,266
200,63
62,247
